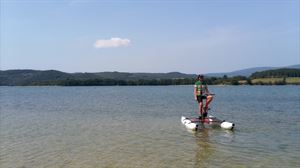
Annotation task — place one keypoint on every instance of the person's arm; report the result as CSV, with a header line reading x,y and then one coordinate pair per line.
x,y
195,92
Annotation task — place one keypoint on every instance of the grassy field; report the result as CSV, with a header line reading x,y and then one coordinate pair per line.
x,y
289,80
295,80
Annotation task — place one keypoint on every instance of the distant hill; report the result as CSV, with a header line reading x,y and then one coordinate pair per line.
x,y
29,77
247,72
277,73
146,76
37,77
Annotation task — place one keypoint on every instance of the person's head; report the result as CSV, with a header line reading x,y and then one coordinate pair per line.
x,y
200,77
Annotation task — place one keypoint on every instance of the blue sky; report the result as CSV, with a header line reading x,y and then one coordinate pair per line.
x,y
188,36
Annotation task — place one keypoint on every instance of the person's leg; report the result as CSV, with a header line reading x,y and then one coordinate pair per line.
x,y
209,98
200,105
200,108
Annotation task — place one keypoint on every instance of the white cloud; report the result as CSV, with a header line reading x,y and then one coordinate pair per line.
x,y
113,42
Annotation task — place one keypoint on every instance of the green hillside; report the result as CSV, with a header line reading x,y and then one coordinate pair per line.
x,y
31,77
277,73
53,77
276,81
276,77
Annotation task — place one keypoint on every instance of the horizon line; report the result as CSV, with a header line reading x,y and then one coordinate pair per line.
x,y
286,66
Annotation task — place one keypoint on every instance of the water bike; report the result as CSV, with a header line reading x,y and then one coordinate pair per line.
x,y
210,121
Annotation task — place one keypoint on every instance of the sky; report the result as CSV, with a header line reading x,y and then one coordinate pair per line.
x,y
188,36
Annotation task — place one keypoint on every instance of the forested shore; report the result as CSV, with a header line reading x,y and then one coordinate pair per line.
x,y
282,76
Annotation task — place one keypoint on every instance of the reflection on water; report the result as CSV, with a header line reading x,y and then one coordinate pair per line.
x,y
205,148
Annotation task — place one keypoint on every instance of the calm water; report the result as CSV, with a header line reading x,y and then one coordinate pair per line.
x,y
89,127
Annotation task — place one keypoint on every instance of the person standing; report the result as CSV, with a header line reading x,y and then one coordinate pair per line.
x,y
201,93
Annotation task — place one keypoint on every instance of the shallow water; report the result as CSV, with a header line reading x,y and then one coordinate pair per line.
x,y
139,126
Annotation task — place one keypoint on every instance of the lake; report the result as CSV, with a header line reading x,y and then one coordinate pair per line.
x,y
139,126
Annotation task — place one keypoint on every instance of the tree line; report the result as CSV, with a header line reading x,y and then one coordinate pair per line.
x,y
140,82
283,73
269,77
277,73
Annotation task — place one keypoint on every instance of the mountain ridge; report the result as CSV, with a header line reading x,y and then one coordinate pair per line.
x,y
248,71
40,77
